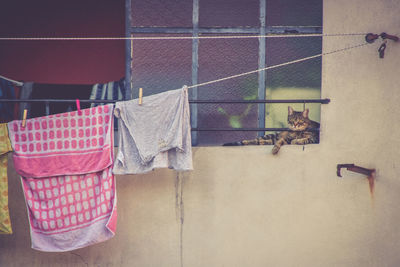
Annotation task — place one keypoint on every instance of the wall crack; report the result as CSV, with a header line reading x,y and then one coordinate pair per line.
x,y
179,209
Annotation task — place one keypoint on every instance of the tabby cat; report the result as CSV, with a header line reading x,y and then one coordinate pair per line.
x,y
298,122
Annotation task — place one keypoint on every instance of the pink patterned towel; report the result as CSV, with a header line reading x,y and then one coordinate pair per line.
x,y
71,212
65,163
66,143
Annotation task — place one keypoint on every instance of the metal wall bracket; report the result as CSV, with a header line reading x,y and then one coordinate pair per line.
x,y
369,172
354,168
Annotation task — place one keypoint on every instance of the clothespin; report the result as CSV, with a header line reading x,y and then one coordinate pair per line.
x,y
78,106
24,118
140,96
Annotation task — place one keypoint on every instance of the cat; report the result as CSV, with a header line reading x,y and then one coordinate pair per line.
x,y
298,123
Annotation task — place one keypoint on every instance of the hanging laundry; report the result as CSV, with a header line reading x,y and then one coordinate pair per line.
x,y
5,147
7,91
65,162
155,134
78,143
108,91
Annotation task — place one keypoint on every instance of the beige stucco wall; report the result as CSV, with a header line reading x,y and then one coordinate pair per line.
x,y
244,207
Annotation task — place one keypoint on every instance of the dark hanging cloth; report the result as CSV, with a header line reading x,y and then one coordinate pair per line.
x,y
115,90
7,91
58,91
25,93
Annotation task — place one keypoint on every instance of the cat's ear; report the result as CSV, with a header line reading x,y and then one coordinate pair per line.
x,y
305,113
290,110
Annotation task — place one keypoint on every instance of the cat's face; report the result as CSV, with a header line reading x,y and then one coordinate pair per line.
x,y
298,120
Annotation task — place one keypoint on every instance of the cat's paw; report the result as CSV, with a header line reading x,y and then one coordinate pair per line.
x,y
275,150
294,142
298,142
265,142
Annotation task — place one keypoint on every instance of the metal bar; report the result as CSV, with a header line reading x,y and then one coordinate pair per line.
x,y
262,101
169,30
354,168
261,65
47,108
57,100
195,68
247,129
128,50
246,30
226,30
165,30
193,101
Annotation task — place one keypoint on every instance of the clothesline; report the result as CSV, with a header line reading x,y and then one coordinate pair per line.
x,y
266,68
276,66
175,37
13,81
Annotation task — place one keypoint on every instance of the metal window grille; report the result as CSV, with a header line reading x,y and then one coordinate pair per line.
x,y
197,28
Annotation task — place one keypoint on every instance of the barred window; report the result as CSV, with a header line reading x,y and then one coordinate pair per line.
x,y
159,65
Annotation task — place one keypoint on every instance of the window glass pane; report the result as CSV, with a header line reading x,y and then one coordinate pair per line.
x,y
161,65
169,13
294,13
218,59
295,81
281,50
228,13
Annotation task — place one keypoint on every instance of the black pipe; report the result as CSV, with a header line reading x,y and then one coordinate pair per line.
x,y
321,101
248,129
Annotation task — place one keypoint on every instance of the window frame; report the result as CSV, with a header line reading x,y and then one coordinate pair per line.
x,y
195,31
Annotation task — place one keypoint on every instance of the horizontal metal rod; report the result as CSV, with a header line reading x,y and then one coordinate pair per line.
x,y
58,100
247,129
240,30
165,30
276,101
321,101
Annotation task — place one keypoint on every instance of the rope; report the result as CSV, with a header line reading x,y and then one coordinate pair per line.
x,y
13,81
276,66
174,37
254,71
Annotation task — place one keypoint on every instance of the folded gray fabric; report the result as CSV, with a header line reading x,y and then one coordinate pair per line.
x,y
155,134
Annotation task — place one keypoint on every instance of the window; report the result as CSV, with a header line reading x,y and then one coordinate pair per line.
x,y
161,65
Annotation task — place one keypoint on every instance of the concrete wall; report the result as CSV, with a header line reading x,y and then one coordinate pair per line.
x,y
245,207
63,62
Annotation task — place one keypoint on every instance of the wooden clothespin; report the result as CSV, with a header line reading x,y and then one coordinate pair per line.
x,y
24,118
78,106
140,96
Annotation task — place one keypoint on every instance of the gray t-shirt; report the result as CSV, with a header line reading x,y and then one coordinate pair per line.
x,y
155,134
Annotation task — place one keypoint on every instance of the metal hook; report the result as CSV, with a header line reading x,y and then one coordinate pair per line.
x,y
384,36
381,49
354,168
371,37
